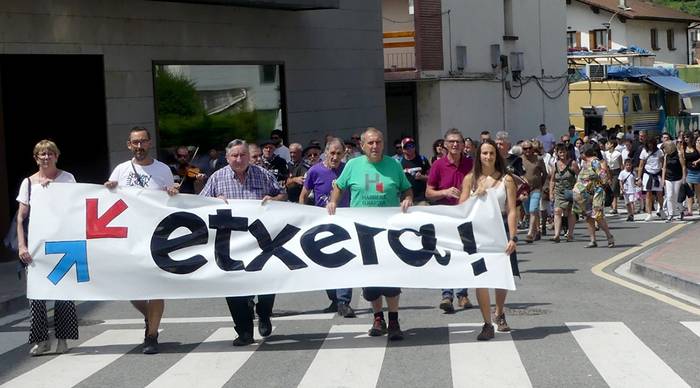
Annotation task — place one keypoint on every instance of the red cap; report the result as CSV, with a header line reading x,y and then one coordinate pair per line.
x,y
407,140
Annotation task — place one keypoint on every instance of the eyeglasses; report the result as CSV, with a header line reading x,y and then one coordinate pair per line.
x,y
139,142
409,145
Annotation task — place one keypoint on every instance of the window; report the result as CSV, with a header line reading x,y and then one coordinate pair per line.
x,y
600,40
636,103
655,39
206,106
571,39
653,102
670,39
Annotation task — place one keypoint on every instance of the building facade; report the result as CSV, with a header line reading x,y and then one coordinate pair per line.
x,y
474,65
81,72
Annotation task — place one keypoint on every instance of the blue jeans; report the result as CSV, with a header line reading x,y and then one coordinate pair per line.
x,y
449,293
340,296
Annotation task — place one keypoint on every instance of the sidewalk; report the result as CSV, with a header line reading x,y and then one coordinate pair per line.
x,y
674,263
12,290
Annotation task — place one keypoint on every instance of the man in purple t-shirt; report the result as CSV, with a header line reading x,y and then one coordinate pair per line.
x,y
319,181
443,188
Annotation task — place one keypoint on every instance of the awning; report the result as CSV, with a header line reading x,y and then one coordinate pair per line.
x,y
673,84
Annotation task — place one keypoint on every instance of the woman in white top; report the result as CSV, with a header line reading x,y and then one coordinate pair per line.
x,y
490,173
649,177
614,159
46,155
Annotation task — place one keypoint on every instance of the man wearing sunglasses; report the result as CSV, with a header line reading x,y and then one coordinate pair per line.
x,y
416,168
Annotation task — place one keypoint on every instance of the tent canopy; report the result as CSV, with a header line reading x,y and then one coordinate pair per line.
x,y
673,84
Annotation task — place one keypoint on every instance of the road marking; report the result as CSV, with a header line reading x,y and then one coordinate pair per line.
x,y
83,361
494,363
599,270
136,321
693,326
621,358
210,364
14,317
12,340
342,363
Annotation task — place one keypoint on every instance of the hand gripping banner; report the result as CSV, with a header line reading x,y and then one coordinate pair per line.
x,y
90,243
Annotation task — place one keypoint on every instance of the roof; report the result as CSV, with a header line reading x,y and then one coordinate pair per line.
x,y
643,10
674,84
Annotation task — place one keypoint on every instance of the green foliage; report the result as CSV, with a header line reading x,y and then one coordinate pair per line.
x,y
176,94
207,131
690,6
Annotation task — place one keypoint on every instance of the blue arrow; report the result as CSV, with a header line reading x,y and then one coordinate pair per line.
x,y
74,252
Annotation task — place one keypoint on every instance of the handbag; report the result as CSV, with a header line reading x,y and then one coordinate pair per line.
x,y
609,194
10,240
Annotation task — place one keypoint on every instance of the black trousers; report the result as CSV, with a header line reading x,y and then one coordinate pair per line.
x,y
241,308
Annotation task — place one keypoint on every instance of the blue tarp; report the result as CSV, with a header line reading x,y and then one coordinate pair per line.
x,y
673,84
632,73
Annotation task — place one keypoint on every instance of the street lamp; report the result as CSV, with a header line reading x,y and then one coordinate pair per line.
x,y
607,25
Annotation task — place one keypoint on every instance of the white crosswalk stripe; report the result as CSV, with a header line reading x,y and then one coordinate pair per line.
x,y
494,363
621,358
83,361
341,363
211,364
348,357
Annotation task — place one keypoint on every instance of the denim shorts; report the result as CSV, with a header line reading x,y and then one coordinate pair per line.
x,y
532,203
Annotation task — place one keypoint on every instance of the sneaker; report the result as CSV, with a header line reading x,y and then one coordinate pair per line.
x,y
464,302
40,348
447,306
378,328
394,330
332,308
613,211
669,219
150,344
264,326
486,332
630,218
591,244
61,346
345,311
501,323
648,218
243,340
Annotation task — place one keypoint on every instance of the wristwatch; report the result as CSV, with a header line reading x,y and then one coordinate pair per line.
x,y
514,239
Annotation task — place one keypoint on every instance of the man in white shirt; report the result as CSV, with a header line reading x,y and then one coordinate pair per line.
x,y
281,150
144,171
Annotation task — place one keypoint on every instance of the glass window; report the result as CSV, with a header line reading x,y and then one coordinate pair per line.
x,y
571,39
671,39
600,40
655,39
207,106
653,102
636,103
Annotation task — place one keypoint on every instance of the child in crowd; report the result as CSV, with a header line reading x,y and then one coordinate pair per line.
x,y
629,188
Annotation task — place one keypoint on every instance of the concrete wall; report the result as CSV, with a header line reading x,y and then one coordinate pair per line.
x,y
474,100
333,58
580,17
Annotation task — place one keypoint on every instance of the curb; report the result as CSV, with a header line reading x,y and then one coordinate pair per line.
x,y
666,278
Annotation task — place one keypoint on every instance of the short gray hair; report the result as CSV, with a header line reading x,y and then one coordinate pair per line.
x,y
334,140
453,131
234,143
370,130
502,135
296,145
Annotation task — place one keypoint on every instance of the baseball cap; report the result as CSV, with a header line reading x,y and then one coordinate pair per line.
x,y
407,140
620,136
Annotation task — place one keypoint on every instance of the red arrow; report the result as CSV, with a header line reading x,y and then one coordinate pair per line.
x,y
96,227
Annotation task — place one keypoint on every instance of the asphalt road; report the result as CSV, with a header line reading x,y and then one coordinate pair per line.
x,y
570,328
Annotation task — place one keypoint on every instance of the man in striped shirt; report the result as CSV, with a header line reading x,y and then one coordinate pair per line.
x,y
242,180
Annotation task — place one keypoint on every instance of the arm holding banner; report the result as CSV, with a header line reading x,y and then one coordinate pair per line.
x,y
333,201
407,200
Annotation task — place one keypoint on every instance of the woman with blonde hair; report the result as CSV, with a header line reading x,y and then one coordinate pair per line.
x,y
46,155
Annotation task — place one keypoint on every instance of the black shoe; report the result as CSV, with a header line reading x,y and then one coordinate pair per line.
x,y
243,340
378,328
344,310
264,327
150,344
332,308
447,306
394,330
486,332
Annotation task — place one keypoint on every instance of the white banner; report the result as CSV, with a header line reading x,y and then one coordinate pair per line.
x,y
90,243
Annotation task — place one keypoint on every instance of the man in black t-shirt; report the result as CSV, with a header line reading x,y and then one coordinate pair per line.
x,y
416,168
274,163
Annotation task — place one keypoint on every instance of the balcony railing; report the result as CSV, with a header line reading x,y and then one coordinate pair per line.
x,y
399,51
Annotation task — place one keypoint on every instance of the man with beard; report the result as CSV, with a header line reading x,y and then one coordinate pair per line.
x,y
273,163
145,172
189,180
375,180
242,180
280,149
319,181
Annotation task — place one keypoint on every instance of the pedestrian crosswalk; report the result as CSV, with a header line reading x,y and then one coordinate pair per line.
x,y
348,357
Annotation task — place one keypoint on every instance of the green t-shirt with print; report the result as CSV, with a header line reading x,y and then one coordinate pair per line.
x,y
373,184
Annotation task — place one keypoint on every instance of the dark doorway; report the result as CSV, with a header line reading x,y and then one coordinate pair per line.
x,y
401,113
56,97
